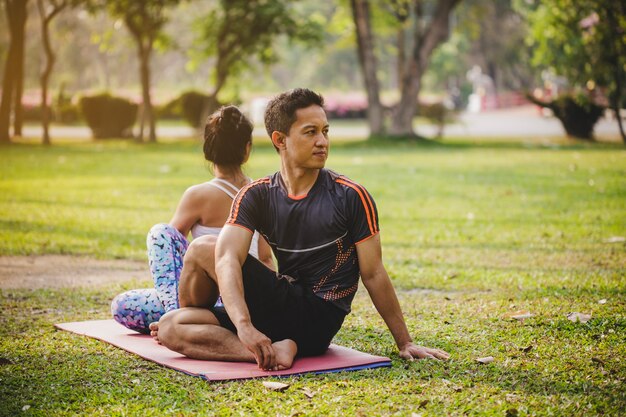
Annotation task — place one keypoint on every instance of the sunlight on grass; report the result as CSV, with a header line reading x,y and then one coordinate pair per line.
x,y
470,232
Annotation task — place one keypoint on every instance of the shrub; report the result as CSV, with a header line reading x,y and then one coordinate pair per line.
x,y
108,116
195,106
63,110
576,112
66,113
170,111
32,113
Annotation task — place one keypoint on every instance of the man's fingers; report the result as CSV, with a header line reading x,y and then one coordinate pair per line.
x,y
270,358
442,354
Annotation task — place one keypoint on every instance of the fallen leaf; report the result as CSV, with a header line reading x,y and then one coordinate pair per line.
x,y
423,404
519,315
527,349
25,408
486,359
615,239
5,361
581,317
135,381
275,386
522,316
603,301
597,360
307,392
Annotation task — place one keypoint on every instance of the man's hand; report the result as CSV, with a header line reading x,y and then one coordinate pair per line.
x,y
411,351
260,346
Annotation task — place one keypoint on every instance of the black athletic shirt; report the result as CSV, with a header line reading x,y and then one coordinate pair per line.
x,y
313,237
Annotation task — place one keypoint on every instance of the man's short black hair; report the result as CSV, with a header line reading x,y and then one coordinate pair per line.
x,y
281,110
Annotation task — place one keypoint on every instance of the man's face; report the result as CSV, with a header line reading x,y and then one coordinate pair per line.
x,y
307,144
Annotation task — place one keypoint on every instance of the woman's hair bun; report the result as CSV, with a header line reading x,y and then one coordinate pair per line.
x,y
226,135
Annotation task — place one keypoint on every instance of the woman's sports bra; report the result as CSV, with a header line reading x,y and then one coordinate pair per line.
x,y
230,190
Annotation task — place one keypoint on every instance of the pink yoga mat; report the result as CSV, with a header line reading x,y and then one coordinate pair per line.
x,y
336,359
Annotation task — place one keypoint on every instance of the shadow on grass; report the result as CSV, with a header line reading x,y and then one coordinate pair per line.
x,y
423,143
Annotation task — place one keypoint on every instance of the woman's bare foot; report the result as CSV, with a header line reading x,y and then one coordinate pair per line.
x,y
154,331
285,352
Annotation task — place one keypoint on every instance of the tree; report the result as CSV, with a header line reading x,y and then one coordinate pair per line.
x,y
429,30
583,40
13,80
54,7
144,19
496,32
240,31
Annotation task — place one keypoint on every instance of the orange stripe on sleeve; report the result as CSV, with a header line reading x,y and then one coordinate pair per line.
x,y
235,209
365,205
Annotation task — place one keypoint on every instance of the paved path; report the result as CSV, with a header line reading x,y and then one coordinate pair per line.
x,y
519,122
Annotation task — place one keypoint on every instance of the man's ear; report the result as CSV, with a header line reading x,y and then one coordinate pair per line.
x,y
278,139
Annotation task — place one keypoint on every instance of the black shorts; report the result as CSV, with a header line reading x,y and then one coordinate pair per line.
x,y
282,310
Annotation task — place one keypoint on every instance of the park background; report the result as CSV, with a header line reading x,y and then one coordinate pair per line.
x,y
489,134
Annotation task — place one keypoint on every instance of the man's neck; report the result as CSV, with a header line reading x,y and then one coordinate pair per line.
x,y
298,181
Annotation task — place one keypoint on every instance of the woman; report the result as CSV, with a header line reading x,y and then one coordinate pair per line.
x,y
202,210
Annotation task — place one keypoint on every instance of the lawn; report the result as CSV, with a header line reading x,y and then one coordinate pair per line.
x,y
472,233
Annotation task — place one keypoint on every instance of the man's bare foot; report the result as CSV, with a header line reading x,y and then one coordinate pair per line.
x,y
285,352
154,331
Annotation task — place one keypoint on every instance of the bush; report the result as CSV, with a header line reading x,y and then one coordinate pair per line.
x,y
195,106
171,110
66,113
576,112
32,113
63,110
108,116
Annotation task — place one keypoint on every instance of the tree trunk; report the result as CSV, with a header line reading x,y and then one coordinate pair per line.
x,y
147,112
425,43
7,97
12,83
367,59
50,59
19,37
401,39
145,86
616,53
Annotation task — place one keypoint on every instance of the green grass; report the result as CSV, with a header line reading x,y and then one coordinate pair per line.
x,y
470,233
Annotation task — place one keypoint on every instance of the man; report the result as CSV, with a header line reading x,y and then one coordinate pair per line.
x,y
323,229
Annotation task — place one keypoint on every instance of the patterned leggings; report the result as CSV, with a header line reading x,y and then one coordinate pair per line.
x,y
136,309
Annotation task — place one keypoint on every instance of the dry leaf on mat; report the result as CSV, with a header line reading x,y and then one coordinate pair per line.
x,y
486,359
275,386
307,392
615,239
603,301
581,317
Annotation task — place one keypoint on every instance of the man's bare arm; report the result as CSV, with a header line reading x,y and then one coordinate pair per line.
x,y
230,254
383,295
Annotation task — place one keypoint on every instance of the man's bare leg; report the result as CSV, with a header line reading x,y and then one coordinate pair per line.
x,y
197,286
196,333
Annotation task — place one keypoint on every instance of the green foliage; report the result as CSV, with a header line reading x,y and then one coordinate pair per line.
x,y
471,233
194,105
63,110
242,33
108,116
578,114
581,40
